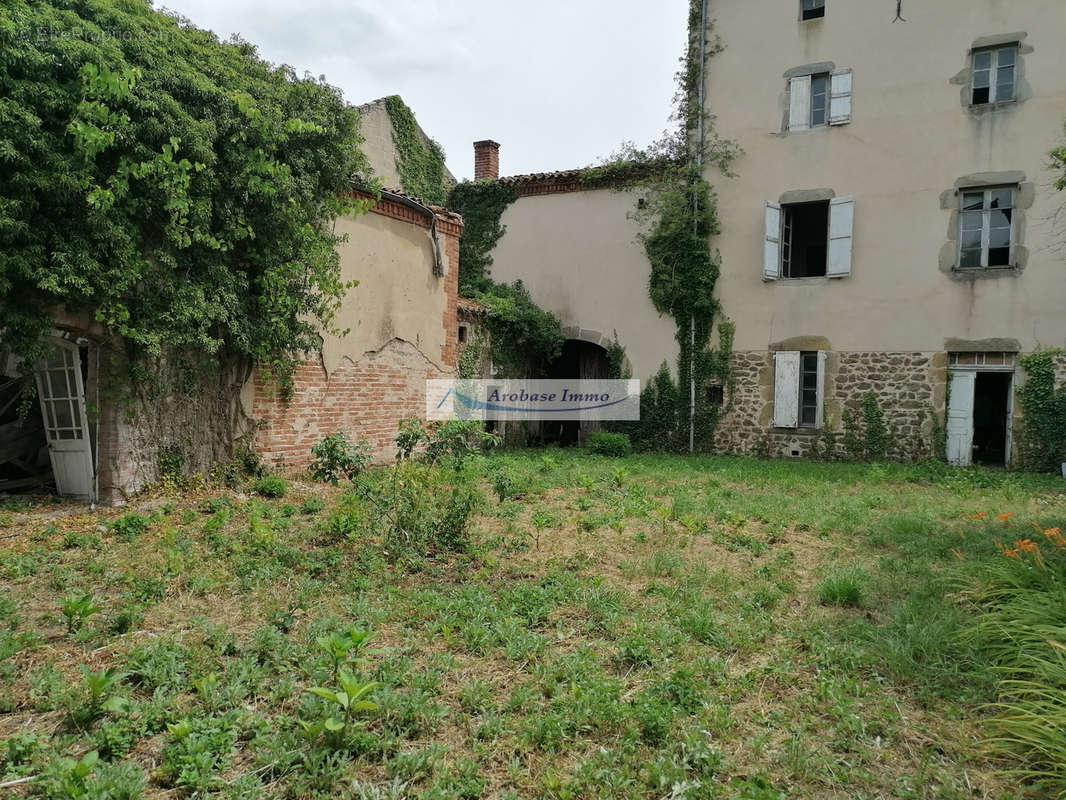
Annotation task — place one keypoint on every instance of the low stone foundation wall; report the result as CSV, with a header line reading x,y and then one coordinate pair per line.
x,y
366,400
909,387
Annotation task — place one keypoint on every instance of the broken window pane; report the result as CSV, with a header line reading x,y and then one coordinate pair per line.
x,y
999,257
986,228
812,9
993,75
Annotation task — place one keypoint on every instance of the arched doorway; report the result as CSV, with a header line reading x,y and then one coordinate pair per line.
x,y
584,360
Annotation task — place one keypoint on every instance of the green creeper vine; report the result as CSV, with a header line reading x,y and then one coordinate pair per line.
x,y
680,210
178,190
420,161
524,339
1042,442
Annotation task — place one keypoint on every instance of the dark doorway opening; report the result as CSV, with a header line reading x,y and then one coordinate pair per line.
x,y
578,359
991,409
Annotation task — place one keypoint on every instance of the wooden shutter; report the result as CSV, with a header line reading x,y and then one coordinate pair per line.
x,y
840,97
786,388
819,419
771,261
960,418
841,223
799,104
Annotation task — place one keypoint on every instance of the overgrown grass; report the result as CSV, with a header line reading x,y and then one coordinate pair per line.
x,y
608,628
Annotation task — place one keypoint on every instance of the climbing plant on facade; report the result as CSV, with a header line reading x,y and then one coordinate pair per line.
x,y
524,338
1043,421
419,160
178,190
679,210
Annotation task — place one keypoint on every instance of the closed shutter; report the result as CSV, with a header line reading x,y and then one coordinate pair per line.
x,y
819,419
786,388
799,106
841,224
771,261
840,97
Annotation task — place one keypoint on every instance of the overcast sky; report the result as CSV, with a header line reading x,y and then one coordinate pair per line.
x,y
559,83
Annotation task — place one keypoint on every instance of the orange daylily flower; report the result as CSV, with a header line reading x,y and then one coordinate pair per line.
x,y
1005,518
980,515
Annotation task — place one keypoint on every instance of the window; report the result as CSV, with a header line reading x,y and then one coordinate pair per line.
x,y
993,75
462,333
809,240
799,389
808,387
986,228
819,99
812,9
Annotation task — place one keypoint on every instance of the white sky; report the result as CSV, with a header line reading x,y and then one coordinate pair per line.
x,y
559,83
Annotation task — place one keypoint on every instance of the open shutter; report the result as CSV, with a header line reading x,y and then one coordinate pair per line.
x,y
840,97
771,260
799,104
819,419
786,388
841,222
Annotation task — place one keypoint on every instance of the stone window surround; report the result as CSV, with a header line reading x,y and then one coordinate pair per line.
x,y
1024,196
793,197
964,78
816,68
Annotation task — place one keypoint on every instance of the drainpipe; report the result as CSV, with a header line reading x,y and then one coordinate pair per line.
x,y
695,225
410,202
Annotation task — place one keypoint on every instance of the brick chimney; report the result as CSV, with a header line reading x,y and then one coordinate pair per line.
x,y
486,160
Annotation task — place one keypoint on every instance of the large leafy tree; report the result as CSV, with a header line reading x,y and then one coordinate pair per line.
x,y
177,188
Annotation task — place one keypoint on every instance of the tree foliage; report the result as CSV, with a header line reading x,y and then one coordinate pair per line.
x,y
178,189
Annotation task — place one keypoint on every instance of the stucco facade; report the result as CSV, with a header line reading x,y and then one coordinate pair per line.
x,y
914,141
379,146
577,252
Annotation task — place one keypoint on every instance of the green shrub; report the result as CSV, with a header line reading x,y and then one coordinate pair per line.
x,y
616,445
335,457
843,588
419,508
271,486
449,442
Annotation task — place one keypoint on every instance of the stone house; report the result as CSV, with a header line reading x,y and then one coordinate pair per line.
x,y
893,227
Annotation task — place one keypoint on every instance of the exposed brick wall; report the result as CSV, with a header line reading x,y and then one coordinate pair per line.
x,y
366,400
907,386
369,395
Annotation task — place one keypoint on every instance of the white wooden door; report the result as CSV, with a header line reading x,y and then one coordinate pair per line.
x,y
62,395
960,418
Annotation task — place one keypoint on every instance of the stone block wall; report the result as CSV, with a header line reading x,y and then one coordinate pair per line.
x,y
909,387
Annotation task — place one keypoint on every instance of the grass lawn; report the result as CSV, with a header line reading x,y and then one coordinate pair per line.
x,y
654,627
